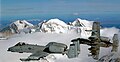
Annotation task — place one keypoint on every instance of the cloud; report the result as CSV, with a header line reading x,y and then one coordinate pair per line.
x,y
75,13
111,31
19,9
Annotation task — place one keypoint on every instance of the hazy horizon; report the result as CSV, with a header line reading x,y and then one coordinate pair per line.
x,y
105,11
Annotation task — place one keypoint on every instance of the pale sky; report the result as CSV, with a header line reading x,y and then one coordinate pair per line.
x,y
59,7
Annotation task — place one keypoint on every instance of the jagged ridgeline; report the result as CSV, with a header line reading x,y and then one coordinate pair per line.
x,y
16,27
50,26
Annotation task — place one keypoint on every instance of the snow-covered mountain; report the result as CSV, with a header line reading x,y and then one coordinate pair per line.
x,y
58,26
53,26
21,25
18,27
81,25
50,26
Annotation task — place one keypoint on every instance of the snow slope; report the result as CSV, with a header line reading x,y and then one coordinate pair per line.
x,y
58,26
53,26
111,57
34,38
21,26
84,23
18,27
106,54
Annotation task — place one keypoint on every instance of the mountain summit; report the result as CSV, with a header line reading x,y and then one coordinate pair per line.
x,y
20,25
53,26
17,27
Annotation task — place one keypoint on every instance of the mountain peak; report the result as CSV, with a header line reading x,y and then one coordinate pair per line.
x,y
84,23
53,26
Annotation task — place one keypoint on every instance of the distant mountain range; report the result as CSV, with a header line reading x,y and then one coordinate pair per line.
x,y
50,26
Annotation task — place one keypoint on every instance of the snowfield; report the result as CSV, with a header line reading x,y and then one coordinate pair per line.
x,y
53,26
34,38
42,38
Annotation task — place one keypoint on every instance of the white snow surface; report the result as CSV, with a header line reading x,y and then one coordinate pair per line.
x,y
105,54
57,21
58,26
22,24
34,38
42,38
111,57
54,26
84,22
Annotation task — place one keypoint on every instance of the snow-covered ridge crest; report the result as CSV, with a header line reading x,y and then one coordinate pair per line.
x,y
17,27
57,21
84,23
20,25
51,26
58,26
54,26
